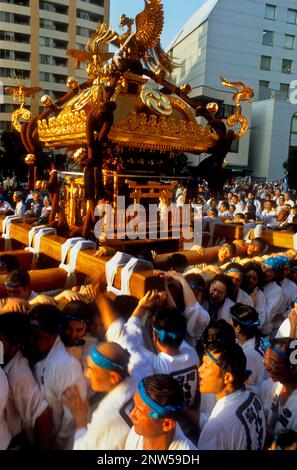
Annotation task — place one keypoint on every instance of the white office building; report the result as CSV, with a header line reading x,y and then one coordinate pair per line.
x,y
252,41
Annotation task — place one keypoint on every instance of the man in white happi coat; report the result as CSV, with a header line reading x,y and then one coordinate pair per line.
x,y
110,423
157,405
237,421
279,392
5,436
27,412
55,370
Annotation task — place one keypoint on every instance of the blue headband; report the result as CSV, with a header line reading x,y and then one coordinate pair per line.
x,y
158,411
163,335
104,362
70,317
266,344
207,353
233,270
248,323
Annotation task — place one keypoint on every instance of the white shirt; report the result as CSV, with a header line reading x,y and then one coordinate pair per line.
x,y
290,292
182,367
280,417
197,320
274,298
5,436
237,422
20,209
25,403
244,298
259,305
224,310
110,423
58,371
179,442
284,330
254,362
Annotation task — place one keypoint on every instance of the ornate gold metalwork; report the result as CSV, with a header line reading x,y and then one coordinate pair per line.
x,y
156,101
183,107
161,133
20,113
243,93
20,94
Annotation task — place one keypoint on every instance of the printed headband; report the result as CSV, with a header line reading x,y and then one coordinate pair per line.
x,y
158,411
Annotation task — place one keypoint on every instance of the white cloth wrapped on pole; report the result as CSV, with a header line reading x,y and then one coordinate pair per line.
x,y
37,233
111,267
70,268
134,264
6,226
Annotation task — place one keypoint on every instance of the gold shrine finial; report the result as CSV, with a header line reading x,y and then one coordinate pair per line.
x,y
243,93
20,94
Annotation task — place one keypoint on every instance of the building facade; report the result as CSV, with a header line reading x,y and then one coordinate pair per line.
x,y
255,42
34,38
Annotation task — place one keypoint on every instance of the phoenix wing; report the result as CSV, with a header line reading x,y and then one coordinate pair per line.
x,y
149,25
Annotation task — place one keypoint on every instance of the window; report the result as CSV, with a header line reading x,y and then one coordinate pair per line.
x,y
46,6
6,54
292,16
21,19
226,110
265,62
83,31
44,76
289,42
267,38
234,146
264,83
46,42
284,89
22,56
84,15
287,66
46,59
294,125
46,24
270,11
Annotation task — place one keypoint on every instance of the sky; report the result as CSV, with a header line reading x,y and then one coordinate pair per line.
x,y
177,13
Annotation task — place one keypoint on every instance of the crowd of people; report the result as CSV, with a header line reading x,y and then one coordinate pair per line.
x,y
205,363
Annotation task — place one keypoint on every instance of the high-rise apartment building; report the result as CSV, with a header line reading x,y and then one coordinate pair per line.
x,y
34,38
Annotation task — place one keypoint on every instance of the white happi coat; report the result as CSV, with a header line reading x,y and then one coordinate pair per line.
x,y
58,371
182,367
179,441
290,292
5,436
254,362
237,422
110,422
279,417
25,403
275,300
244,298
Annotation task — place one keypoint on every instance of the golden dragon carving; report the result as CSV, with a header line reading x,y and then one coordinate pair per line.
x,y
243,93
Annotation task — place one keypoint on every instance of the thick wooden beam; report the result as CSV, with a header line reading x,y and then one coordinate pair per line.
x,y
87,264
